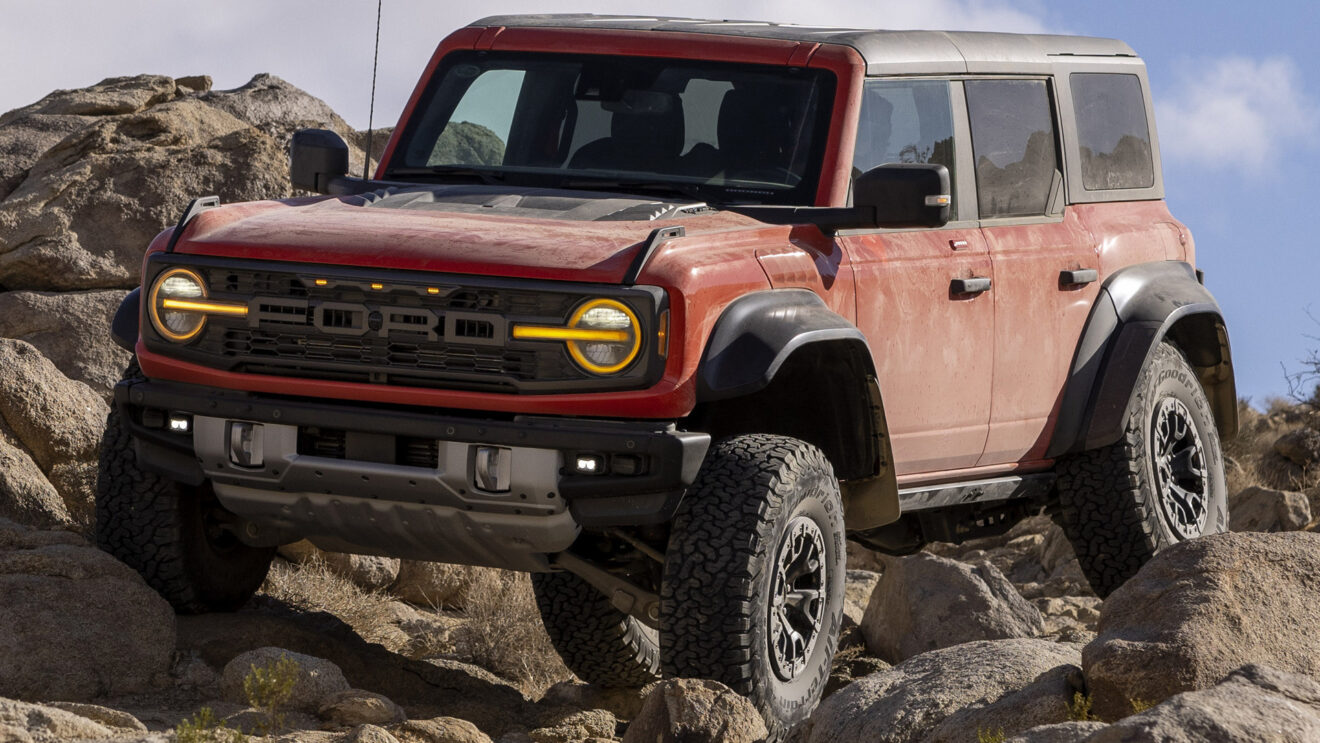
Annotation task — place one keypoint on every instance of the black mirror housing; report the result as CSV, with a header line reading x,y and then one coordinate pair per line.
x,y
316,157
905,194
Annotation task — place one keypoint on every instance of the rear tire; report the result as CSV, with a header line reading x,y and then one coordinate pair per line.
x,y
170,533
754,576
1161,483
600,644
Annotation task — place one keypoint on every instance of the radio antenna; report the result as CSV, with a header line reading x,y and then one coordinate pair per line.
x,y
371,111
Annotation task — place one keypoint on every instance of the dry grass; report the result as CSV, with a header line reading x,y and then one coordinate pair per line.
x,y
312,586
504,634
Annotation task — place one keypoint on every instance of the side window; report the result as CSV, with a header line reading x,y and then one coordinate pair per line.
x,y
1112,131
1014,145
905,121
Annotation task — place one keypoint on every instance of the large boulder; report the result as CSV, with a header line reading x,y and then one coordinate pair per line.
x,y
1266,509
439,730
20,721
98,172
695,711
925,602
1301,447
1252,704
1202,608
75,623
910,701
57,422
70,329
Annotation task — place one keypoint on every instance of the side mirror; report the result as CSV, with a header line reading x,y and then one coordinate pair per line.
x,y
905,194
317,156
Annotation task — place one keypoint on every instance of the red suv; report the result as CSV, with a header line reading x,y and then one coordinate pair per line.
x,y
662,311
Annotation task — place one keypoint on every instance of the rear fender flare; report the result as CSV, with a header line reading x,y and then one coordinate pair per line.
x,y
1137,309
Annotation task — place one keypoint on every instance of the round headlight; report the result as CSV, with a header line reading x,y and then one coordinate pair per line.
x,y
181,285
605,356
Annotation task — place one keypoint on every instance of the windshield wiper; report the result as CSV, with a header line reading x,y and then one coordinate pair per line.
x,y
450,171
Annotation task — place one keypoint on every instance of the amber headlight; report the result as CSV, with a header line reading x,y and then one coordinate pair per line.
x,y
603,336
178,305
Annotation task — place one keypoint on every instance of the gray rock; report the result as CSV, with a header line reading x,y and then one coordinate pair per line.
x,y
1252,704
624,704
317,679
371,734
909,701
358,707
75,623
69,329
57,421
1202,608
1060,732
694,711
97,173
1269,510
111,718
1045,701
26,496
858,588
439,730
924,602
41,724
1301,447
575,725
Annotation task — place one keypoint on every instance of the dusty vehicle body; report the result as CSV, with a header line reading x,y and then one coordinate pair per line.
x,y
952,295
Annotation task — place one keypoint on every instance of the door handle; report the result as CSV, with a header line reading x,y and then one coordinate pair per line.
x,y
1078,277
974,285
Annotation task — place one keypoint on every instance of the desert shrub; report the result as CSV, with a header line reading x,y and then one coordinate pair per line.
x,y
205,728
312,586
1079,709
503,633
269,687
990,736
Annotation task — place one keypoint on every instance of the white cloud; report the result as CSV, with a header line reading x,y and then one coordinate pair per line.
x,y
325,47
1237,113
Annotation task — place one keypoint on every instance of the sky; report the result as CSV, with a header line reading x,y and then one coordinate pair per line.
x,y
1236,89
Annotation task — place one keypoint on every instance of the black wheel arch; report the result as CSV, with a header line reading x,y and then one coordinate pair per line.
x,y
1138,308
782,362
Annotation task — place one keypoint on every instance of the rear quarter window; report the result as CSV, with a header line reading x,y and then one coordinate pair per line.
x,y
1112,132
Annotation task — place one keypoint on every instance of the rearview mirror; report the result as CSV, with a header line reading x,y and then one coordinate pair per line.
x,y
316,156
905,194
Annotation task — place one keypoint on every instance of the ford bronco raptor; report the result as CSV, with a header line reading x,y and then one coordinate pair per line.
x,y
663,311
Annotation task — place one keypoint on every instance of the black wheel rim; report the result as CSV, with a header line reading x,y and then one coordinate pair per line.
x,y
797,597
1180,469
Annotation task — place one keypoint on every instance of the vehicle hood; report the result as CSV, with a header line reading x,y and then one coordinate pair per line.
x,y
526,233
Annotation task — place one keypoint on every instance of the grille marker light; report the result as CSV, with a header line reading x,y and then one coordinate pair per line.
x,y
321,282
377,287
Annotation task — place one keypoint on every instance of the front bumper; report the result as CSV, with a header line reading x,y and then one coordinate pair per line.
x,y
363,497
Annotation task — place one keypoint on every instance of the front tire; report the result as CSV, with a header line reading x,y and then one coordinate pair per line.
x,y
1161,483
754,576
600,644
175,536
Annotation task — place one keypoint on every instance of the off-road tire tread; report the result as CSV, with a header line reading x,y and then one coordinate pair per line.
x,y
139,521
1108,515
600,644
705,606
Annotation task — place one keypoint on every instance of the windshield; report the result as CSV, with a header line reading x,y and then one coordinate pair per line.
x,y
716,132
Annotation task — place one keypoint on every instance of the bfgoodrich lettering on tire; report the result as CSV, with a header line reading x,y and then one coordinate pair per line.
x,y
754,575
1161,483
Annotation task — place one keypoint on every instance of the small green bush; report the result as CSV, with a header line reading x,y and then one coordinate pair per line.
x,y
986,736
205,728
1079,710
269,688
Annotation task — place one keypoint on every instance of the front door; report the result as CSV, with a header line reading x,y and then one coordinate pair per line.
x,y
923,296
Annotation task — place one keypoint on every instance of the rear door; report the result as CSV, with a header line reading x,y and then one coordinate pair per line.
x,y
933,345
1045,261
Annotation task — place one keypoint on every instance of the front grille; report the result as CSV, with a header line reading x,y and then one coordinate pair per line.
x,y
389,332
329,443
